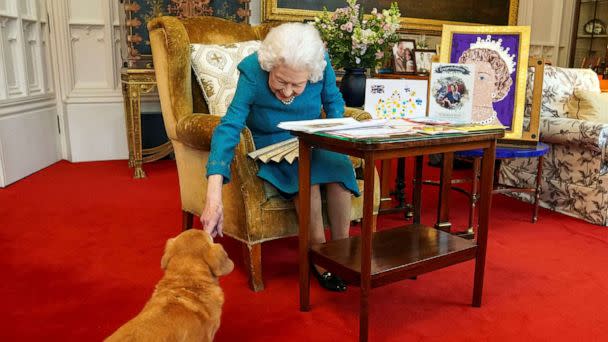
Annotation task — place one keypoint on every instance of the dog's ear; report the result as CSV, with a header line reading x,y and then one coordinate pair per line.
x,y
169,251
218,260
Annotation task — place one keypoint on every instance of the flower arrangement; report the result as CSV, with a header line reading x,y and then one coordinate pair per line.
x,y
355,41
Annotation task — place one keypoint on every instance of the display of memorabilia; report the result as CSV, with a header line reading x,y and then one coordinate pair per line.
x,y
395,98
451,92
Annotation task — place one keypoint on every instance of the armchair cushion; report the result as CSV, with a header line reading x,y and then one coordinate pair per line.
x,y
215,68
558,86
588,106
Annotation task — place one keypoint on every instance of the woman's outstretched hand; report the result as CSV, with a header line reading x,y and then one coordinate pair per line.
x,y
212,217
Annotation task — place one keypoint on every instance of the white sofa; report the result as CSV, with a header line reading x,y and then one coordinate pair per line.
x,y
575,179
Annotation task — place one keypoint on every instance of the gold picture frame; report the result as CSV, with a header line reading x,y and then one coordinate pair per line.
x,y
512,44
272,11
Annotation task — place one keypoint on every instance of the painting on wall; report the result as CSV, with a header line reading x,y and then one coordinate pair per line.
x,y
429,18
500,56
137,13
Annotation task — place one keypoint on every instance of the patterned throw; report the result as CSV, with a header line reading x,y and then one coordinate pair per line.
x,y
216,71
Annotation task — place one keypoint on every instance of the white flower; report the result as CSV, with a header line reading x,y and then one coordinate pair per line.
x,y
357,60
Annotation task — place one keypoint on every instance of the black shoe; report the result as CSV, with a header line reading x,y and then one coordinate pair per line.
x,y
328,280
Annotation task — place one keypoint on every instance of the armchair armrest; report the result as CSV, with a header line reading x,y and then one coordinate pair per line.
x,y
196,130
357,114
566,131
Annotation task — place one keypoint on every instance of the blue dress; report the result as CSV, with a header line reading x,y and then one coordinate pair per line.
x,y
256,107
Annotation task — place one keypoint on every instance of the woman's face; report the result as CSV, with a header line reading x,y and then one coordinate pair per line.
x,y
407,54
485,81
286,82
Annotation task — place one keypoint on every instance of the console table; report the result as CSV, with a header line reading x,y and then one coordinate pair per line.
x,y
378,258
134,83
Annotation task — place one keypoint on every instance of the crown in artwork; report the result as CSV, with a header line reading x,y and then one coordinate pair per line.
x,y
496,46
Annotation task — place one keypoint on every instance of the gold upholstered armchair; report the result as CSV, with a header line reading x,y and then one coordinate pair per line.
x,y
249,215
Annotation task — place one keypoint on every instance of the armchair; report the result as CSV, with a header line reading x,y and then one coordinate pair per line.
x,y
574,179
249,215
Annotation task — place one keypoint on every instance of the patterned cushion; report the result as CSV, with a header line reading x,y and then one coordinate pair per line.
x,y
216,72
588,106
558,87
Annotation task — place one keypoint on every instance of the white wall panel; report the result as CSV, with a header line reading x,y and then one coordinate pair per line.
x,y
89,55
87,11
29,138
99,130
28,143
551,23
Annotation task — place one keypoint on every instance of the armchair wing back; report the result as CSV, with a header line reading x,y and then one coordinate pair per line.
x,y
250,216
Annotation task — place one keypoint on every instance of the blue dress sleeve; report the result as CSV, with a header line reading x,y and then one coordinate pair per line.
x,y
228,133
331,98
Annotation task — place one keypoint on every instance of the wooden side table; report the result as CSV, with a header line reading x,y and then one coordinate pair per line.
x,y
134,83
378,258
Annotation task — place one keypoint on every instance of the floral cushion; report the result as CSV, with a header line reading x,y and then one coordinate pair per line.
x,y
216,71
558,87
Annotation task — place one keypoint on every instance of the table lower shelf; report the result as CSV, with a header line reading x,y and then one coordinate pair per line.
x,y
397,254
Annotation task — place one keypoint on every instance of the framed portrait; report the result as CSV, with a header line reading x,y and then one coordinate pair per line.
x,y
500,56
403,56
427,18
423,59
452,92
396,98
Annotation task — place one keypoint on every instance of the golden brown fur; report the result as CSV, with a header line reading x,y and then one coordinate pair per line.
x,y
187,302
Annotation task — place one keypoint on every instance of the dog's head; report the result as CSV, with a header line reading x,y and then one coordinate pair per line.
x,y
199,245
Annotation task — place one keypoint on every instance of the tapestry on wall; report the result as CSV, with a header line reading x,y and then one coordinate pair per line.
x,y
137,13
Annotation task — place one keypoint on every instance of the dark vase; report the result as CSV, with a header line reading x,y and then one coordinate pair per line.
x,y
352,87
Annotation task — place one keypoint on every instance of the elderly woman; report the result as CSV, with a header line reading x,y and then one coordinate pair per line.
x,y
289,78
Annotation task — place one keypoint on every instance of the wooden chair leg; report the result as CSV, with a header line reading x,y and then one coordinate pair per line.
x,y
187,220
252,255
539,177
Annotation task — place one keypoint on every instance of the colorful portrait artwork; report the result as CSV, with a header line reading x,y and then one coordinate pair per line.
x,y
500,57
395,98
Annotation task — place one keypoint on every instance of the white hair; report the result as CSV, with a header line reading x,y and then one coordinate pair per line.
x,y
298,46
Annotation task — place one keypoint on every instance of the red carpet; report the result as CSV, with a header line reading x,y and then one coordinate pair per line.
x,y
81,247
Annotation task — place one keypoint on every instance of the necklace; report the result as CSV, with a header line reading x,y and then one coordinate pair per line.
x,y
488,120
288,101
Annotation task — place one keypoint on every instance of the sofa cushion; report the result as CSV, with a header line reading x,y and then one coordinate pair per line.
x,y
588,106
215,67
558,87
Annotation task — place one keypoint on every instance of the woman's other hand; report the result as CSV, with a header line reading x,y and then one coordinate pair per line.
x,y
212,217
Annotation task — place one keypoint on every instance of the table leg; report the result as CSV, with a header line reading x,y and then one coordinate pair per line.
x,y
304,222
474,194
135,116
445,185
539,177
128,121
417,189
485,203
366,245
